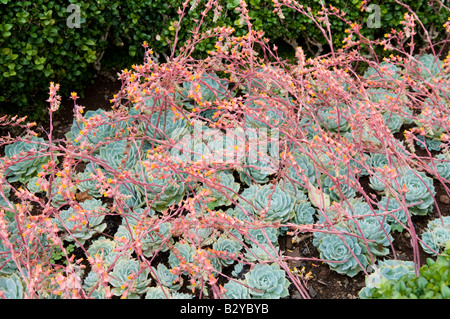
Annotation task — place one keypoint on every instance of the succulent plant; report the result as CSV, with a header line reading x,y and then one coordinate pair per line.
x,y
120,155
378,183
419,187
260,117
93,286
164,125
236,290
181,251
158,293
304,167
134,196
229,249
225,189
344,254
267,282
104,129
258,252
157,238
25,166
262,235
442,164
396,216
211,87
339,185
274,204
7,264
163,189
165,277
12,287
104,247
128,275
384,71
376,233
198,232
428,66
334,121
389,269
304,213
87,184
436,235
82,223
257,168
431,144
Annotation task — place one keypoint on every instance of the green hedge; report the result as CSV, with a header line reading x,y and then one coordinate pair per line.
x,y
433,282
38,47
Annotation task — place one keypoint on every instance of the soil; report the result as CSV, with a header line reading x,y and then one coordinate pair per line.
x,y
325,283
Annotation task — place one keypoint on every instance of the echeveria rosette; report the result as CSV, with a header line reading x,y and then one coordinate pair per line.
x,y
91,221
304,168
344,254
12,287
277,204
245,209
93,286
199,232
225,189
384,71
103,130
262,235
304,213
236,290
340,182
428,67
258,252
85,183
181,251
261,118
104,247
8,266
442,164
376,234
132,196
334,121
120,155
257,168
158,293
211,87
164,125
436,236
128,275
396,216
229,249
165,277
267,282
431,144
164,189
419,187
25,166
389,269
157,238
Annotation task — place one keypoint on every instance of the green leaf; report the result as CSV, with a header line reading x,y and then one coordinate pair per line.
x,y
445,291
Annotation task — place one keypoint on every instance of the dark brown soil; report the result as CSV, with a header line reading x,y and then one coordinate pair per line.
x,y
325,283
